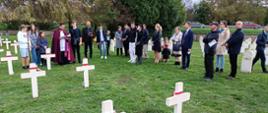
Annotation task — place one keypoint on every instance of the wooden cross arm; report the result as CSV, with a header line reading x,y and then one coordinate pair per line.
x,y
48,55
6,58
171,101
30,75
83,68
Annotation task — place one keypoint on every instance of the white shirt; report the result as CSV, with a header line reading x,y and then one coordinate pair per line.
x,y
176,37
62,41
23,39
101,35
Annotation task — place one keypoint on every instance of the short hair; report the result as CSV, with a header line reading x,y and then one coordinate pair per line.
x,y
61,23
189,23
74,21
239,22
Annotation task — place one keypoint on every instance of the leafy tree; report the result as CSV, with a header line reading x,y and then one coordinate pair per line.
x,y
204,12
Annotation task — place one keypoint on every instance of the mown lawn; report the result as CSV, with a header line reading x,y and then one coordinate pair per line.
x,y
134,89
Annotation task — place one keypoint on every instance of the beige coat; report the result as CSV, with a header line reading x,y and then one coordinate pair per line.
x,y
223,37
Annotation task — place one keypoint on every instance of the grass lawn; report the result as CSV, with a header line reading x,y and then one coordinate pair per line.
x,y
134,89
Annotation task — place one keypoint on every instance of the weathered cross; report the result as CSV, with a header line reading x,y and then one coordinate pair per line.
x,y
48,57
33,74
15,45
107,107
178,98
7,42
86,68
9,58
1,43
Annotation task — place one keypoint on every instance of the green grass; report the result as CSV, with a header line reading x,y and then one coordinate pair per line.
x,y
134,89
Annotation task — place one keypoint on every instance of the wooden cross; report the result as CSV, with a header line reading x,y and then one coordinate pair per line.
x,y
48,57
33,74
15,45
178,98
86,68
107,107
7,42
1,43
9,58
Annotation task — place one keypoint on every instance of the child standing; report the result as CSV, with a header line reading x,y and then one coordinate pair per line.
x,y
24,46
42,45
166,51
176,40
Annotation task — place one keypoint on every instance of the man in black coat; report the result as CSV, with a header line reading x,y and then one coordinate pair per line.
x,y
125,40
88,35
146,41
210,42
262,41
186,45
234,46
76,40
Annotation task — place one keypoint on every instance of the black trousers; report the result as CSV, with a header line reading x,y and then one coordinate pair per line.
x,y
63,59
209,67
88,45
108,48
119,50
76,52
260,55
126,47
233,62
185,59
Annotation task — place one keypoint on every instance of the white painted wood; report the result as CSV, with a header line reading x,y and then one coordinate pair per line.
x,y
33,75
48,57
1,40
178,98
202,45
7,42
15,45
85,68
9,59
248,56
107,107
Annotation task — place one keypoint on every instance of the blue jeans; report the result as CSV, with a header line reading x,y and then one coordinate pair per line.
x,y
220,61
35,57
103,49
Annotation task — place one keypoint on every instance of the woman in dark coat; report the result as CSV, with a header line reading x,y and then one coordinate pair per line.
x,y
157,43
139,44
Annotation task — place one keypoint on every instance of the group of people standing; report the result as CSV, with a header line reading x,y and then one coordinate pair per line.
x,y
31,42
134,40
220,40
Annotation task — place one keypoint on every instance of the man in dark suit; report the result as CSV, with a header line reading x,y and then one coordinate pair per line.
x,y
210,42
262,41
102,42
76,40
186,45
88,35
234,46
125,39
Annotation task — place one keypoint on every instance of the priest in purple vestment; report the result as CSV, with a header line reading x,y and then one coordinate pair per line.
x,y
61,46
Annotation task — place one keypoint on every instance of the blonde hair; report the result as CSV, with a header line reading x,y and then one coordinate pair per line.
x,y
159,27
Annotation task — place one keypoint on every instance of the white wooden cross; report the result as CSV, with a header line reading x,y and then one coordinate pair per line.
x,y
48,57
86,68
9,58
33,74
7,42
178,98
107,107
202,45
15,45
1,43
